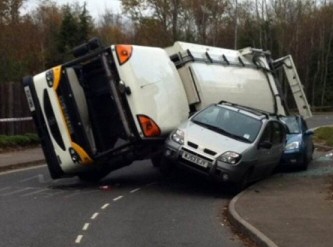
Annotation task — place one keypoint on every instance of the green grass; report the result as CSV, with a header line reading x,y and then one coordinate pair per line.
x,y
324,135
29,139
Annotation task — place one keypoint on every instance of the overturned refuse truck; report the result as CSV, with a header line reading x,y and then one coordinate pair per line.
x,y
110,106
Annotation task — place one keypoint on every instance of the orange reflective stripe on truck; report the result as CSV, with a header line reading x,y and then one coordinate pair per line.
x,y
84,157
56,77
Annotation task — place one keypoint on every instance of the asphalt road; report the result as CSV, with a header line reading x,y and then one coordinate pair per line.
x,y
320,120
134,206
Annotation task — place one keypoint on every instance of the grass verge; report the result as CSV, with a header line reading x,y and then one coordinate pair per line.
x,y
324,136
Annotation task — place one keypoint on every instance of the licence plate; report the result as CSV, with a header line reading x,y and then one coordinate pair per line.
x,y
29,98
195,159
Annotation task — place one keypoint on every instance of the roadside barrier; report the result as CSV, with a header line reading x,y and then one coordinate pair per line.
x,y
22,119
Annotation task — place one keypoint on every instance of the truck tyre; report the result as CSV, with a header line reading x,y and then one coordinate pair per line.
x,y
93,176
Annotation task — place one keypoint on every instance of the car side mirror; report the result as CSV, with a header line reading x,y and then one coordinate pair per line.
x,y
309,132
265,145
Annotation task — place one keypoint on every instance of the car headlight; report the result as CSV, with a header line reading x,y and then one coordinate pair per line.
x,y
230,157
178,136
292,146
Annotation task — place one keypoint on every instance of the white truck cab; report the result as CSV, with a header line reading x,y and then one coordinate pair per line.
x,y
111,105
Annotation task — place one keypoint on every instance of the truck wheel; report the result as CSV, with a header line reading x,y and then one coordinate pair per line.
x,y
93,176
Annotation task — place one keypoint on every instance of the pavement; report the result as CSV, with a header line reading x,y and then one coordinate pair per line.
x,y
289,209
21,158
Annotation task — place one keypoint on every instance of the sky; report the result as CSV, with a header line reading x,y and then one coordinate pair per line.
x,y
96,8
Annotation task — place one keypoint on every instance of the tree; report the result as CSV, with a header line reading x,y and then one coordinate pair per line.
x,y
112,29
75,29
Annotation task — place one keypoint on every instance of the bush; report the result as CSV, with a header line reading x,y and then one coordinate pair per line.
x,y
28,139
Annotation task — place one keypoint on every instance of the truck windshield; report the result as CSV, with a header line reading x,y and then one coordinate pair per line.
x,y
232,123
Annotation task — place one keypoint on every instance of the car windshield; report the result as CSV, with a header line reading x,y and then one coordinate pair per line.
x,y
292,124
229,122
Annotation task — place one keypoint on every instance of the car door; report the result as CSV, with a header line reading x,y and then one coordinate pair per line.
x,y
270,148
278,143
264,151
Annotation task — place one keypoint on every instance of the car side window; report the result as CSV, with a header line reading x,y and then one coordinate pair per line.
x,y
278,133
267,135
274,133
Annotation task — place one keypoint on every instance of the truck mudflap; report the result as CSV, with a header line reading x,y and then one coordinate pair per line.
x,y
45,139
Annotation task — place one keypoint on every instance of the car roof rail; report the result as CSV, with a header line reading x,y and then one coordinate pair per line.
x,y
249,109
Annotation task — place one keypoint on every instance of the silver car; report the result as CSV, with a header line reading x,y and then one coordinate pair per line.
x,y
229,142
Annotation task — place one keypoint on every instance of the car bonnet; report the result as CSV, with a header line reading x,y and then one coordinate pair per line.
x,y
206,138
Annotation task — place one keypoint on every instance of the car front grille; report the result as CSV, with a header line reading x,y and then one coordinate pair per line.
x,y
206,150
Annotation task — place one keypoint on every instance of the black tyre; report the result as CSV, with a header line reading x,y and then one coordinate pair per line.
x,y
156,160
166,166
244,182
304,166
93,176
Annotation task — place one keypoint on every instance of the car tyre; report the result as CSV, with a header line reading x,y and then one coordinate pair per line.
x,y
305,164
156,160
166,166
244,182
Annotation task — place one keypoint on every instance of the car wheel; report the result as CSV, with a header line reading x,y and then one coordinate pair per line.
x,y
244,182
156,160
166,166
305,164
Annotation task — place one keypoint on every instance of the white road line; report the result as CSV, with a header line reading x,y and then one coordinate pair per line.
x,y
117,198
17,191
105,206
54,194
5,188
79,192
21,170
94,216
35,192
85,227
40,178
78,239
135,190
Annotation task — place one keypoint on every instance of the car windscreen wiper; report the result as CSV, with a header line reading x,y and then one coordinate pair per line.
x,y
240,138
221,131
208,126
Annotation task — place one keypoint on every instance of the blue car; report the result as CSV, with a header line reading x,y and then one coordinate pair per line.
x,y
299,147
